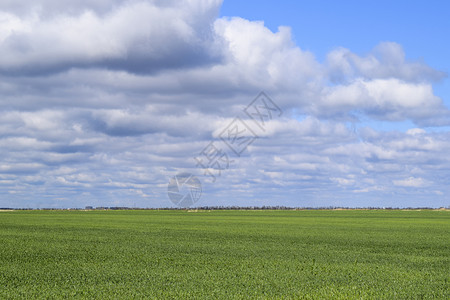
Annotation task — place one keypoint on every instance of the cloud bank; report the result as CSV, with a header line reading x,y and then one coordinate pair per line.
x,y
101,102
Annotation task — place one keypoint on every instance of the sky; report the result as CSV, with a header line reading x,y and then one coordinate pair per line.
x,y
295,103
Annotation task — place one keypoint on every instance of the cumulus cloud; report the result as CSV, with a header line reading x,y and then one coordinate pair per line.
x,y
136,36
411,182
261,57
383,85
384,99
102,101
385,61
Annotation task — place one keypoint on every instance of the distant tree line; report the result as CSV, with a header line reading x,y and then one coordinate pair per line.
x,y
265,207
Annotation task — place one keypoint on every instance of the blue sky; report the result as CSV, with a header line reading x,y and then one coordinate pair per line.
x,y
103,102
421,27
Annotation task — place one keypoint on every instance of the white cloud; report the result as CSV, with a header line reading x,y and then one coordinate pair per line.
x,y
385,61
261,57
415,131
102,101
411,182
343,181
384,99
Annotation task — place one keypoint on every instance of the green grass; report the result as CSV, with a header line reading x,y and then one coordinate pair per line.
x,y
225,254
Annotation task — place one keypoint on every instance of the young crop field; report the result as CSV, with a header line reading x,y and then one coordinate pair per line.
x,y
322,254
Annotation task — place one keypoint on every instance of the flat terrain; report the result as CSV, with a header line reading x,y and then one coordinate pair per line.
x,y
225,254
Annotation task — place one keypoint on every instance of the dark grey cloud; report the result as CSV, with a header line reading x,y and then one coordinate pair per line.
x,y
51,7
141,37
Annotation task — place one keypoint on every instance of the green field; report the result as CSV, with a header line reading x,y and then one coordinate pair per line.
x,y
225,254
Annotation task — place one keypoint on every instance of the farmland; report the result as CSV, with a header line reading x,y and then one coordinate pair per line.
x,y
319,254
